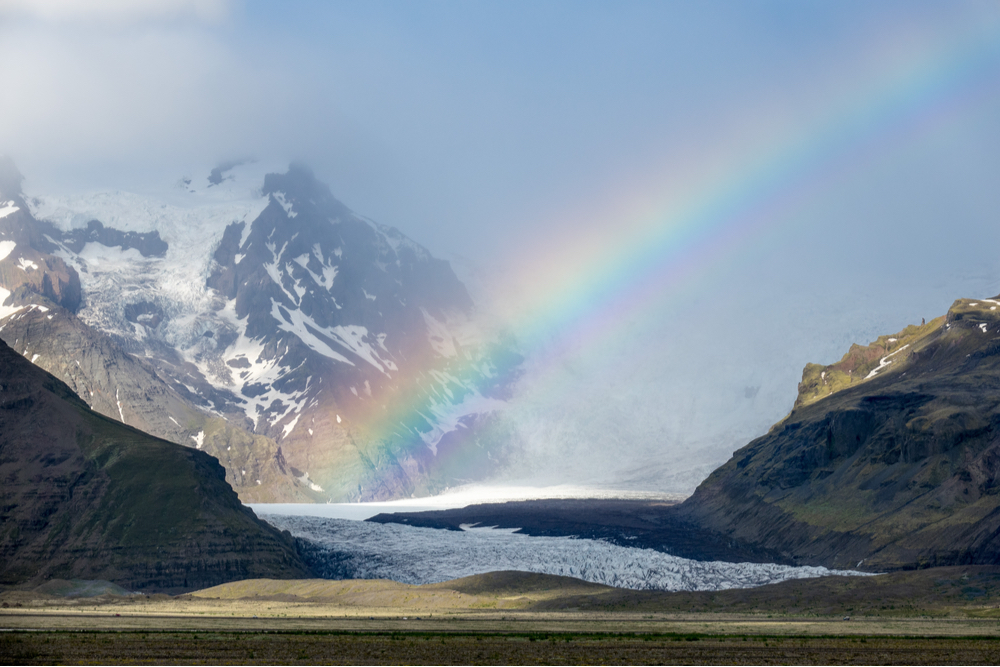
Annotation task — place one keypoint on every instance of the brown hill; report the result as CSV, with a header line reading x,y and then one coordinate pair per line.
x,y
888,460
85,497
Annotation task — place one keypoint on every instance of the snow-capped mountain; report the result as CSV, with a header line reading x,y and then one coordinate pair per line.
x,y
346,352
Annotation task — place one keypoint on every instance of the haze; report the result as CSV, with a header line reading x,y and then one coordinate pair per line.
x,y
673,206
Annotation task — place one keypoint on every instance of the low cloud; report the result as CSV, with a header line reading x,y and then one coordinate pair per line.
x,y
116,11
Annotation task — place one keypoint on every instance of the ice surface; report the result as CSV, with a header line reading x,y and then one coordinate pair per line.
x,y
361,550
191,220
460,496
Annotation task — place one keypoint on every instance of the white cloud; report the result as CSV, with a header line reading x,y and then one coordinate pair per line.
x,y
123,11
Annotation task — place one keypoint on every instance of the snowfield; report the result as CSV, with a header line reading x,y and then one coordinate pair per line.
x,y
347,549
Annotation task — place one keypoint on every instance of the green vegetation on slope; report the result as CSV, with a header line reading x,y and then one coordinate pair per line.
x,y
86,497
892,463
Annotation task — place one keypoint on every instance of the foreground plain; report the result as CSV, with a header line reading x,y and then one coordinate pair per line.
x,y
937,616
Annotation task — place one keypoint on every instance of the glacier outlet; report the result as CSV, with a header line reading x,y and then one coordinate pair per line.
x,y
344,549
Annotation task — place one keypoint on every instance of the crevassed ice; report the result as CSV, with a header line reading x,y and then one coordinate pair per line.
x,y
361,550
191,220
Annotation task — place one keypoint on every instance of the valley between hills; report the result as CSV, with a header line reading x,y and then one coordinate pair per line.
x,y
132,432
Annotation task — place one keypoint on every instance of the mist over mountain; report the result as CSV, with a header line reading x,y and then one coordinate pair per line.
x,y
671,208
317,354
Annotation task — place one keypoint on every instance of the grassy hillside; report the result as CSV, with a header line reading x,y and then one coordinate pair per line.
x,y
86,497
888,460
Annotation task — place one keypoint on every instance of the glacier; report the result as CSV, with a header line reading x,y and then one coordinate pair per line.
x,y
345,549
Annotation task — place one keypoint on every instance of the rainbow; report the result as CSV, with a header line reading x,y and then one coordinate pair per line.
x,y
710,211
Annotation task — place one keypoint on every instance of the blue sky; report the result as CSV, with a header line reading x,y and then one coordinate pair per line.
x,y
454,121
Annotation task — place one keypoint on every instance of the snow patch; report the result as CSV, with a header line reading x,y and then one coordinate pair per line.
x,y
308,482
6,311
25,264
6,247
884,361
118,401
300,324
6,208
287,428
447,416
199,439
287,205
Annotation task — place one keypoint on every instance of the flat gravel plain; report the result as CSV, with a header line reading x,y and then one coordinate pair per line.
x,y
935,616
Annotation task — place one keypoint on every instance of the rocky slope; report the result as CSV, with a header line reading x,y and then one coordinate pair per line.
x,y
888,460
97,367
320,356
85,497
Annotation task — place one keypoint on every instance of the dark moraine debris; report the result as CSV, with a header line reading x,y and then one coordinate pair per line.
x,y
149,244
647,524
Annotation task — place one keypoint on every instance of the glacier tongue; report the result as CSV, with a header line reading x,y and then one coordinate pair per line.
x,y
343,549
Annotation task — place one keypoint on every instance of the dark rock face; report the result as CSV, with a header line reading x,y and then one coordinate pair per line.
x,y
27,265
893,464
645,524
149,244
85,497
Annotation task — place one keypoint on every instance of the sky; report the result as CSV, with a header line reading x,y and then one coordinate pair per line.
x,y
673,205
